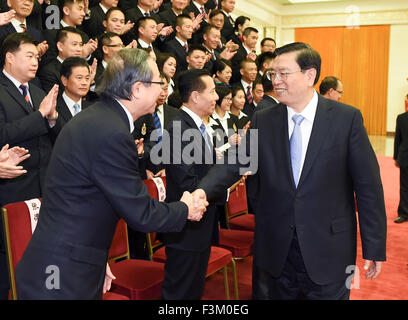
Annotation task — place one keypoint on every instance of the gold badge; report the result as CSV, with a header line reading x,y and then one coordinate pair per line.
x,y
144,129
234,127
218,136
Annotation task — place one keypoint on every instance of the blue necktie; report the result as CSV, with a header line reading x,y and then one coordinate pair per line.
x,y
157,125
205,136
76,109
296,147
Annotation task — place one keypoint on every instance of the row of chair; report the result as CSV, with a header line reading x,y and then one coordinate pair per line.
x,y
234,243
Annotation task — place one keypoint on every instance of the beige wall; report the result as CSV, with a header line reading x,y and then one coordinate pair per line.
x,y
280,22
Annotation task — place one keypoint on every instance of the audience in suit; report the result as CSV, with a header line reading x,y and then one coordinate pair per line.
x,y
28,119
248,73
115,22
167,64
268,45
268,99
227,7
331,88
94,25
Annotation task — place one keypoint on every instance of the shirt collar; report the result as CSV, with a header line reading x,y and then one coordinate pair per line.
x,y
198,6
142,11
245,85
60,59
103,8
216,116
70,103
246,49
129,115
160,109
16,24
198,121
309,111
14,80
143,44
104,64
64,24
180,41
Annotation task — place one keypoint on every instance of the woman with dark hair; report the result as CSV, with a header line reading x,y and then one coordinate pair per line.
x,y
238,103
167,64
223,72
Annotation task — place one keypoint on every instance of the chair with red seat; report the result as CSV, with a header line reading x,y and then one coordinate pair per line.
x,y
219,258
17,234
236,209
135,278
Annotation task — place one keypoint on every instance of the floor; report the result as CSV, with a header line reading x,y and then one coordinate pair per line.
x,y
383,145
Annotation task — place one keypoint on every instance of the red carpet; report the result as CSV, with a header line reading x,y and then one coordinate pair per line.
x,y
392,284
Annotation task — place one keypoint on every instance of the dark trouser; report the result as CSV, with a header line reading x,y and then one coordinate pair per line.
x,y
294,282
184,274
403,204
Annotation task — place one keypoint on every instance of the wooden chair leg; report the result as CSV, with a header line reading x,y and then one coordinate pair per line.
x,y
234,272
226,286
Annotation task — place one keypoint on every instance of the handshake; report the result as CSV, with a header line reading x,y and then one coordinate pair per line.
x,y
196,202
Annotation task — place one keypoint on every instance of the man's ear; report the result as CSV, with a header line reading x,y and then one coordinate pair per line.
x,y
136,92
105,23
9,58
311,76
64,81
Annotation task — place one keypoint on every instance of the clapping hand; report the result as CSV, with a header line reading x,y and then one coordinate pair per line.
x,y
196,203
6,17
140,147
108,279
9,159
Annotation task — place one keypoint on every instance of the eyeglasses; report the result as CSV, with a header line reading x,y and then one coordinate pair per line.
x,y
156,82
271,75
340,92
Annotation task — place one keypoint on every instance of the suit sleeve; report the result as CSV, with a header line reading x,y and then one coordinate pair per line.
x,y
398,138
115,172
369,192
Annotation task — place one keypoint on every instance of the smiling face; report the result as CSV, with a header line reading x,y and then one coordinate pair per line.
x,y
23,8
208,97
115,22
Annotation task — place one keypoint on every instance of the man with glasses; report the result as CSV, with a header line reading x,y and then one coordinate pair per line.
x,y
92,182
331,88
314,161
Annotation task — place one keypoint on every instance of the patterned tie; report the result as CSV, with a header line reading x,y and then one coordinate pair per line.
x,y
147,14
249,96
202,11
230,19
76,109
23,26
157,125
205,136
25,94
296,147
186,47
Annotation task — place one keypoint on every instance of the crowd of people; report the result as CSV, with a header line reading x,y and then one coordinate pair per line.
x,y
197,65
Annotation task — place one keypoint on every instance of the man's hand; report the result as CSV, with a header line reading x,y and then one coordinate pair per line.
x,y
42,48
9,159
140,147
373,269
166,31
235,139
6,17
196,203
92,68
251,56
196,20
227,54
149,174
127,27
89,48
232,46
49,103
108,279
161,173
132,45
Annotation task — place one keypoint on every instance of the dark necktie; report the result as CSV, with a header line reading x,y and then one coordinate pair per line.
x,y
186,47
25,94
230,19
23,26
157,125
202,11
147,14
249,96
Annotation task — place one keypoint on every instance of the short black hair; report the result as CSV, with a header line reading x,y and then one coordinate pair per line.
x,y
264,56
248,30
191,80
306,58
221,64
108,13
222,92
207,29
180,18
328,83
267,83
12,44
235,89
216,12
267,39
196,47
162,58
70,63
240,21
63,33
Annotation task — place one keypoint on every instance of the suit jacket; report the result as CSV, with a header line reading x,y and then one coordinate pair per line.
x,y
94,149
94,25
63,110
181,177
339,163
249,108
174,47
236,64
228,28
22,126
50,74
266,102
32,31
401,140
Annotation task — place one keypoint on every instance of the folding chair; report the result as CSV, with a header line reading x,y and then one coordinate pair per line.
x,y
136,279
236,210
18,232
219,257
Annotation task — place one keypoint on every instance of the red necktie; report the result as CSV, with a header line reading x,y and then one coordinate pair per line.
x,y
25,94
23,26
186,47
249,96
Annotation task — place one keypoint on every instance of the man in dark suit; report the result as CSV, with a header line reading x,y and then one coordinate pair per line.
x,y
76,80
27,119
69,44
179,45
188,251
94,149
401,161
314,160
227,6
268,99
147,34
248,73
142,9
168,16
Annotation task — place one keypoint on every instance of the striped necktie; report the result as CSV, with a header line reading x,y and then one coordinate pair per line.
x,y
186,47
157,125
249,96
202,11
24,89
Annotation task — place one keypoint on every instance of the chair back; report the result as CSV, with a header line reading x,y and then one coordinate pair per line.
x,y
237,202
120,245
151,240
17,235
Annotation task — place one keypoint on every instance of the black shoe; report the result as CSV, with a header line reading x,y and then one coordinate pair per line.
x,y
400,220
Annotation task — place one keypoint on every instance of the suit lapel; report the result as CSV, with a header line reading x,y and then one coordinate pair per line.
x,y
16,94
320,130
63,109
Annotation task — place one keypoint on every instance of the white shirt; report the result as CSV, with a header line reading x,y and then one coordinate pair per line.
x,y
16,24
103,8
104,64
143,12
70,103
64,24
181,42
199,6
224,120
144,44
309,113
245,86
60,59
132,127
248,51
18,83
197,120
